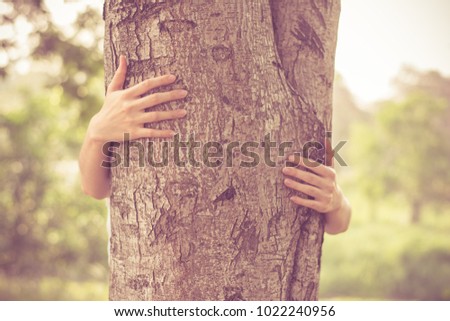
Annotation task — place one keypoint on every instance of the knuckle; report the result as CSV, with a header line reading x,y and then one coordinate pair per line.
x,y
332,173
153,117
126,93
128,119
294,186
128,111
328,188
307,189
154,99
297,173
133,132
311,178
329,197
127,106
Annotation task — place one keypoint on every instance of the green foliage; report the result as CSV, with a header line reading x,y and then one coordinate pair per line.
x,y
51,289
427,264
403,151
47,221
399,154
52,237
388,259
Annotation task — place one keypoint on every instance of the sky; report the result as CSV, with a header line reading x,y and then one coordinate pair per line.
x,y
375,39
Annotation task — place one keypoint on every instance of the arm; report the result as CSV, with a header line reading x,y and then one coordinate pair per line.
x,y
123,112
337,220
95,179
322,186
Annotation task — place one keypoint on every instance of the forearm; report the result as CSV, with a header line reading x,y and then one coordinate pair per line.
x,y
337,221
95,178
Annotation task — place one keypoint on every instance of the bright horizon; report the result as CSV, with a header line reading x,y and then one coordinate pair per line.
x,y
376,38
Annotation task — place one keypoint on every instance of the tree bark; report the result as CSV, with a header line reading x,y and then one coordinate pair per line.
x,y
229,232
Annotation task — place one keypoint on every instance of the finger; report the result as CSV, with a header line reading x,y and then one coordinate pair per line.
x,y
155,133
303,188
305,176
313,204
160,98
157,116
149,84
312,165
119,76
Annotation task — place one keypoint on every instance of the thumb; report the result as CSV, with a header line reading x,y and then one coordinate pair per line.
x,y
119,76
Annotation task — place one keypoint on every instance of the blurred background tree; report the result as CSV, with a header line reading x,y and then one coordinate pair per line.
x,y
410,136
50,245
398,155
53,239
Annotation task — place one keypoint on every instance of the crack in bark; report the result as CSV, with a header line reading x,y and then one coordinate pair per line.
x,y
298,247
318,12
307,37
176,25
233,293
139,282
137,223
221,53
226,195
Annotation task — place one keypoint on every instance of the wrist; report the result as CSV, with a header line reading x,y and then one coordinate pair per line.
x,y
338,220
92,135
340,202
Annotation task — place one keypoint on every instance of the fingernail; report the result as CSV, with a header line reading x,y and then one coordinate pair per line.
x,y
183,112
172,77
183,93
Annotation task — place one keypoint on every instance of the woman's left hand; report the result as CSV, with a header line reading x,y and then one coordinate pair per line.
x,y
320,184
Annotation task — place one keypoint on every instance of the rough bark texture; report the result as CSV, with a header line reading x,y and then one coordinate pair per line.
x,y
252,67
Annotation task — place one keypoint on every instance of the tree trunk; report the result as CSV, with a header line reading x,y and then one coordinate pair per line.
x,y
228,232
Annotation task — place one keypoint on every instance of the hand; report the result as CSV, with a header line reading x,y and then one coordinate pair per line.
x,y
124,110
320,184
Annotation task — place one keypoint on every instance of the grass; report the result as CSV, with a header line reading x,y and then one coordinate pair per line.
x,y
51,288
381,257
384,257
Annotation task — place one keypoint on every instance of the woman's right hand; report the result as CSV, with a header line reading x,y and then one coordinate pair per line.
x,y
124,109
